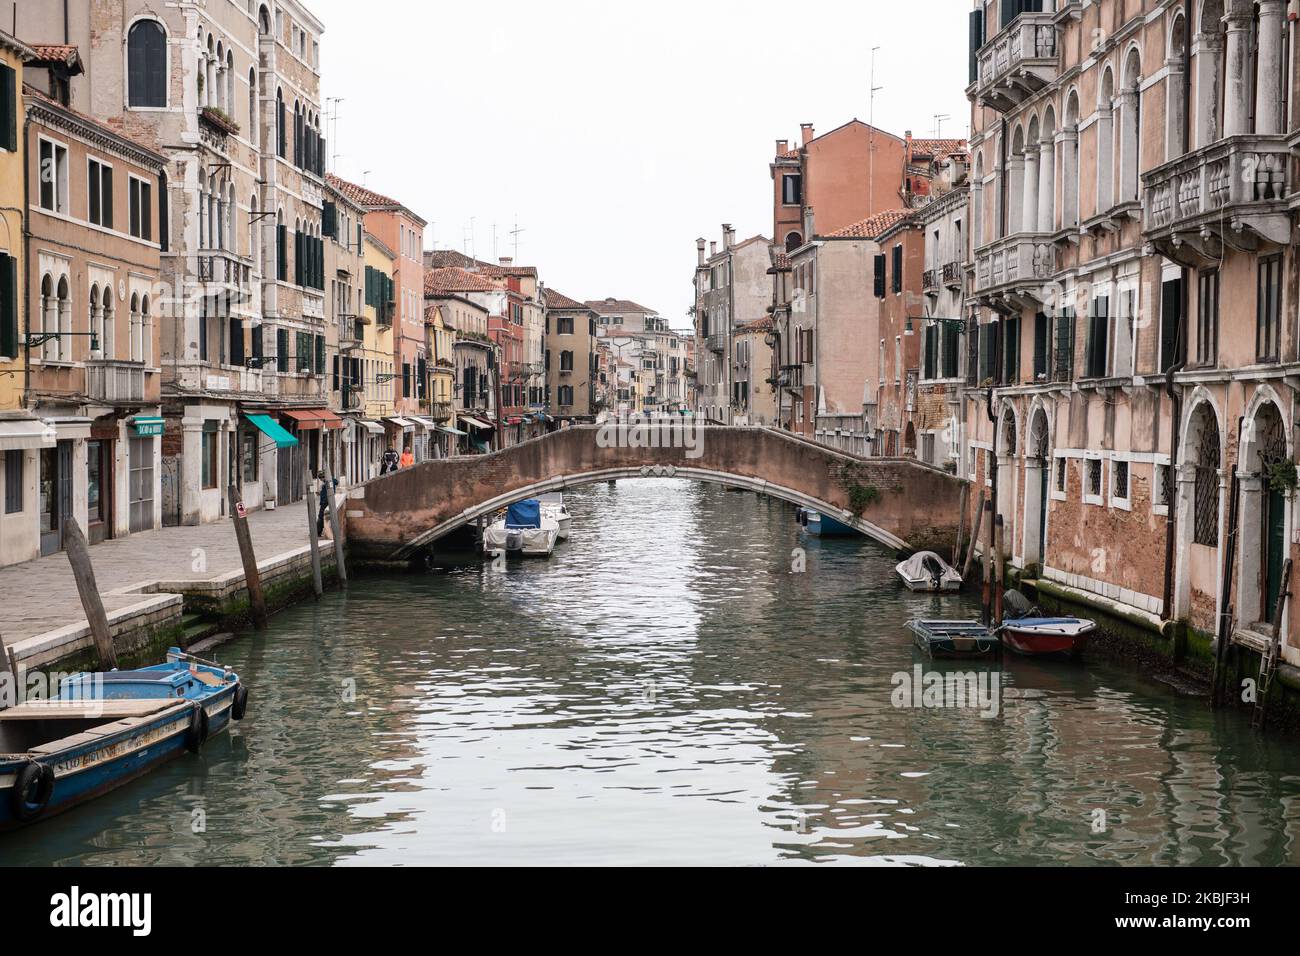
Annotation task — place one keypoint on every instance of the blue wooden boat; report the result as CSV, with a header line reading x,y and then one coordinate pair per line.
x,y
824,526
105,729
954,638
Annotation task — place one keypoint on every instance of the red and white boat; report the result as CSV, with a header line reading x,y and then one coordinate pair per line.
x,y
1026,631
1047,636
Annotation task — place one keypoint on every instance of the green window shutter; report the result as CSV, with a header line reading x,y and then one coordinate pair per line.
x,y
320,355
8,109
8,306
329,220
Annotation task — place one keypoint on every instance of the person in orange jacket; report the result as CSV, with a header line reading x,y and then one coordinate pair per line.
x,y
408,459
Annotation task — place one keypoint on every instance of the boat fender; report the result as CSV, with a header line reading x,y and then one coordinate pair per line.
x,y
33,788
240,704
198,731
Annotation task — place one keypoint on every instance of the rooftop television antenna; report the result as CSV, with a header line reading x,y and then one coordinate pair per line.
x,y
515,235
871,110
938,124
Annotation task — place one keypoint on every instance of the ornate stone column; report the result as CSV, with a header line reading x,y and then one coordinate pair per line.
x,y
1268,99
1236,93
1067,142
1046,186
1029,203
1207,50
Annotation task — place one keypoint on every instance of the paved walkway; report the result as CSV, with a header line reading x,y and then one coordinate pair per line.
x,y
39,596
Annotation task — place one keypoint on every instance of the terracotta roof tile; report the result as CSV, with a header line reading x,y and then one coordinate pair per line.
x,y
606,306
450,258
453,280
58,53
938,147
873,227
558,300
365,197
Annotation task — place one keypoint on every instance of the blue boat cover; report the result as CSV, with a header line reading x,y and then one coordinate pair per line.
x,y
524,514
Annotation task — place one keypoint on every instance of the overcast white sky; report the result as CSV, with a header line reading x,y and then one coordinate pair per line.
x,y
618,133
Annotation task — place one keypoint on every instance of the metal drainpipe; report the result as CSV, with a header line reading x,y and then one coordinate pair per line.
x,y
1175,399
26,278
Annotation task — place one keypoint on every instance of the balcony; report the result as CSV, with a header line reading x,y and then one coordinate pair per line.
x,y
717,342
1015,269
1017,62
1228,195
225,273
115,382
952,276
930,281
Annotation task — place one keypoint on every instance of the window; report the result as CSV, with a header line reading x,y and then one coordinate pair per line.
x,y
1098,329
146,65
1062,473
898,268
1163,491
1268,310
14,480
141,202
54,176
1207,319
564,325
8,109
1205,525
1093,485
1041,336
248,454
99,192
208,456
880,276
1063,363
565,394
792,189
282,350
1171,323
8,306
1119,480
1011,350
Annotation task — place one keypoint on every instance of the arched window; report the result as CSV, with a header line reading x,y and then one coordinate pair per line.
x,y
146,64
977,202
96,322
108,344
1047,173
146,332
254,130
793,241
65,320
1105,150
1070,163
1130,128
1205,529
135,327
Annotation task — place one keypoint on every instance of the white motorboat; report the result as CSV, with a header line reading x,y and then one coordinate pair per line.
x,y
523,530
553,507
926,571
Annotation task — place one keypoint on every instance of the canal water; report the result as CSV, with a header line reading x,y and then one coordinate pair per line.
x,y
690,679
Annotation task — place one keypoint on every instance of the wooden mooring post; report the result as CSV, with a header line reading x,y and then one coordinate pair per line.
x,y
316,584
336,529
963,500
999,570
974,537
8,666
83,572
1268,661
252,578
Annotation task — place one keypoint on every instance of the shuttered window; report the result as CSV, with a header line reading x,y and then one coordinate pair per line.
x,y
8,109
1097,345
898,268
146,56
880,276
99,182
8,306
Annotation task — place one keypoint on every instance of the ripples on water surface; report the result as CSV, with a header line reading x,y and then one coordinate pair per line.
x,y
664,690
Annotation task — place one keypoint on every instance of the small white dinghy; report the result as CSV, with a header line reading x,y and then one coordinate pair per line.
x,y
553,507
524,530
926,571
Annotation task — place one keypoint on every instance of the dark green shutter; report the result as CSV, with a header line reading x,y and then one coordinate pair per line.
x,y
880,276
329,220
8,109
8,306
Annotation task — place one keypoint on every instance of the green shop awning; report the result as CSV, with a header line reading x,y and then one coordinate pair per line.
x,y
144,425
272,430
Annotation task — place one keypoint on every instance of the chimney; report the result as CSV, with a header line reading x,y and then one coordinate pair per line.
x,y
807,223
782,147
908,137
699,249
728,236
506,260
807,130
713,249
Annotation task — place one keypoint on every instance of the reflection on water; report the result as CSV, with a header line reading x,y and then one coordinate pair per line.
x,y
665,690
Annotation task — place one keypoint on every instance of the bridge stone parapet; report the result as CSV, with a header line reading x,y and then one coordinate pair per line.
x,y
901,503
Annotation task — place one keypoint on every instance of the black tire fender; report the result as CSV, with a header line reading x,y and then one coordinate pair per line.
x,y
239,704
38,778
197,734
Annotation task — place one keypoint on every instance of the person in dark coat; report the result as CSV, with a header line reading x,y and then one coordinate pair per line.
x,y
324,501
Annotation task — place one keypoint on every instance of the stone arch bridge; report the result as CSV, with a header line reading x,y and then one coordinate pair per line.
x,y
901,503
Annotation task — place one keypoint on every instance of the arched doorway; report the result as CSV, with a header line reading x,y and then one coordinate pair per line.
x,y
1038,457
1007,450
1200,492
1271,452
909,441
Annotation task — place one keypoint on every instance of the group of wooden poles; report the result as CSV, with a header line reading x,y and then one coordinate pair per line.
x,y
994,566
83,572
